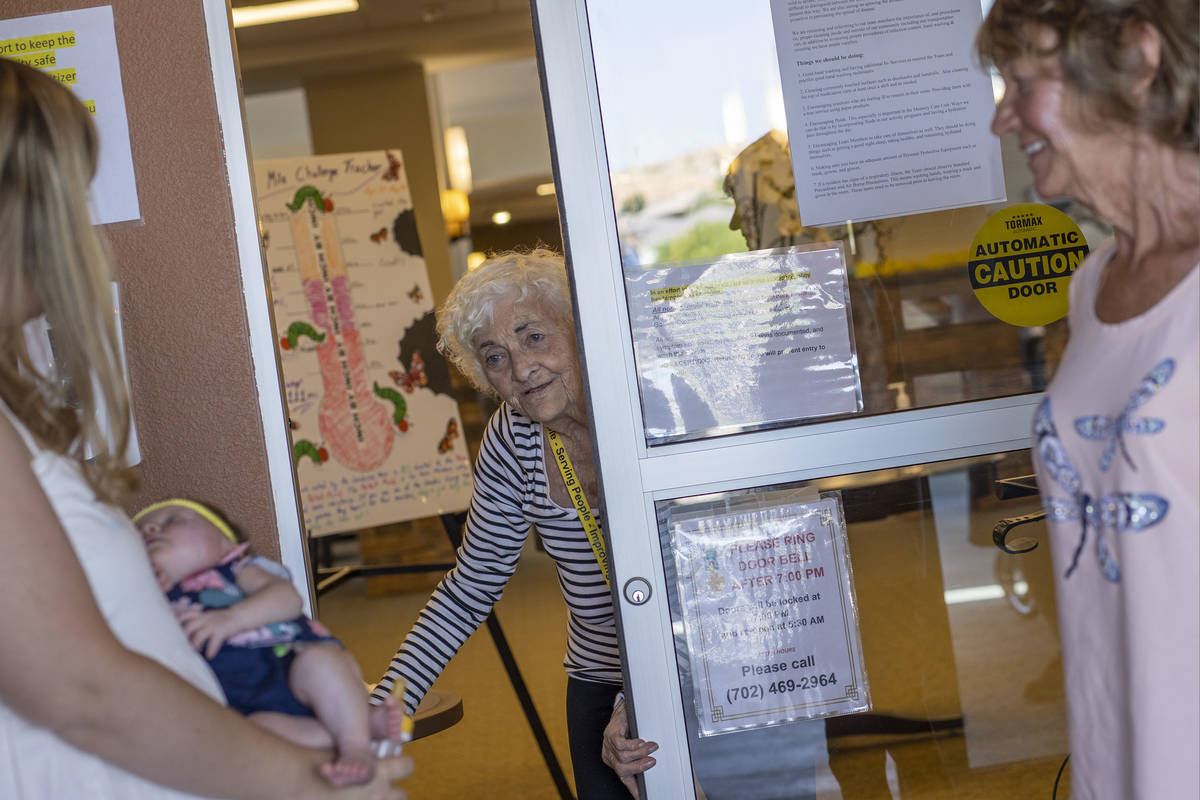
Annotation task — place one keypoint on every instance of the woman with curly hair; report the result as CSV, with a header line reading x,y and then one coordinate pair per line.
x,y
1102,98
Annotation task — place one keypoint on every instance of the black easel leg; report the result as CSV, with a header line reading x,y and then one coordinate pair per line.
x,y
531,714
453,524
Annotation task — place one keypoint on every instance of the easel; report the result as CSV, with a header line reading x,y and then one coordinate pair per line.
x,y
328,578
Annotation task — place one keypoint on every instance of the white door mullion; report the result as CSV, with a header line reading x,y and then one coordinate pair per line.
x,y
589,226
891,440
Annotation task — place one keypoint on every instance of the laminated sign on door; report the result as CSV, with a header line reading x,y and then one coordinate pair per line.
x,y
770,616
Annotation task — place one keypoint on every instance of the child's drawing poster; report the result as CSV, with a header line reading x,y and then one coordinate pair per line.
x,y
375,428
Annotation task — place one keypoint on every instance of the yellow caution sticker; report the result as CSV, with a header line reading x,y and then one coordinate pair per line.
x,y
1021,262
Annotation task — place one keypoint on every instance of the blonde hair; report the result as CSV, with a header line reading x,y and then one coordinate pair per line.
x,y
538,274
1093,43
52,256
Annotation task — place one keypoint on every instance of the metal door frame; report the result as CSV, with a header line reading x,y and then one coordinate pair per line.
x,y
633,476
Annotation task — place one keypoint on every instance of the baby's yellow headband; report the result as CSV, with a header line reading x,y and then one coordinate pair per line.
x,y
199,508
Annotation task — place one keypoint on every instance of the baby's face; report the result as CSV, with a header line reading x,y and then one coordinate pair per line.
x,y
180,542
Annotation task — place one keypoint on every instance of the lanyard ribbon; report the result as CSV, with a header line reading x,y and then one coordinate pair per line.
x,y
575,489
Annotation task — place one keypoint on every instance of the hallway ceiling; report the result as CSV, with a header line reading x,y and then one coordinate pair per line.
x,y
436,33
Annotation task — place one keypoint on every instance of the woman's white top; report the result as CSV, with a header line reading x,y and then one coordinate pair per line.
x,y
34,763
1118,462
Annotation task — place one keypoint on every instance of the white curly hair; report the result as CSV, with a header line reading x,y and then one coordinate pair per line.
x,y
538,274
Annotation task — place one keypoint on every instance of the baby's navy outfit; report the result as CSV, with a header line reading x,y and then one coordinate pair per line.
x,y
253,665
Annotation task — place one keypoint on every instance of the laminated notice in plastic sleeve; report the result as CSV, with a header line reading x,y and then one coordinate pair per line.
x,y
744,342
770,619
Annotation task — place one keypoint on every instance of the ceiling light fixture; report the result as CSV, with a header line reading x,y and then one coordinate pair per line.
x,y
246,16
458,158
456,211
544,189
501,218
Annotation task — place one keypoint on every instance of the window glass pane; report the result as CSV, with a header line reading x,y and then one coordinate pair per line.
x,y
960,644
698,151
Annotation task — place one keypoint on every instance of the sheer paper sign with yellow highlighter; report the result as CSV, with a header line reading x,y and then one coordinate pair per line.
x,y
746,341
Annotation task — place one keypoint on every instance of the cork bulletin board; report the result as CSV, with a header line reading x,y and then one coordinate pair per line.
x,y
198,405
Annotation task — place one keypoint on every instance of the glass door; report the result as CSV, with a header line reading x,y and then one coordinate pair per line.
x,y
671,158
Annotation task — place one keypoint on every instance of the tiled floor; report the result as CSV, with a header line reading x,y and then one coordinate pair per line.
x,y
491,752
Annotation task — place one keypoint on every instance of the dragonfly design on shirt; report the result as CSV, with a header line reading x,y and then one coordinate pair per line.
x,y
1112,511
1098,427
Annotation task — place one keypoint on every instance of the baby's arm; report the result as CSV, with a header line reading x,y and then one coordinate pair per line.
x,y
269,598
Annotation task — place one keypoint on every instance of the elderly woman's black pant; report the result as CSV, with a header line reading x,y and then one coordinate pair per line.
x,y
589,708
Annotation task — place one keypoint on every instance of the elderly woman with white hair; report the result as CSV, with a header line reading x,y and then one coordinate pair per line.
x,y
508,327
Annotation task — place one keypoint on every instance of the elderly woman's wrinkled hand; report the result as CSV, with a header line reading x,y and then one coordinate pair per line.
x,y
627,757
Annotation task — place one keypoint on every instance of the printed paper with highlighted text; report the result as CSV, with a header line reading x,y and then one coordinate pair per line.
x,y
79,49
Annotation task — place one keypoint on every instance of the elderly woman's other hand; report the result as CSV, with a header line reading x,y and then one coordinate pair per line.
x,y
627,757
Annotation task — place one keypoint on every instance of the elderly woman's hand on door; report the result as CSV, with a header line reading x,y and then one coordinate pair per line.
x,y
627,757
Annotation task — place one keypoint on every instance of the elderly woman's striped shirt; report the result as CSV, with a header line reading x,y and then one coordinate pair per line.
x,y
510,494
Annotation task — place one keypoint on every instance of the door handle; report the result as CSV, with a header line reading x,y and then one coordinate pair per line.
x,y
1020,545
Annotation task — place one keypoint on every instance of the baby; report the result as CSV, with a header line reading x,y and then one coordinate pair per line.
x,y
280,668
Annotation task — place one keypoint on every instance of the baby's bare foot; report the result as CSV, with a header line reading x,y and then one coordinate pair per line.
x,y
348,771
388,721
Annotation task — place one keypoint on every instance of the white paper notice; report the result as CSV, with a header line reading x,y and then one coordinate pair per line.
x,y
79,49
887,112
770,616
750,340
